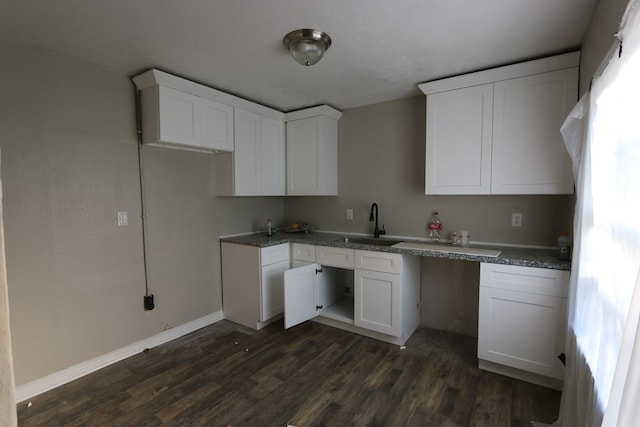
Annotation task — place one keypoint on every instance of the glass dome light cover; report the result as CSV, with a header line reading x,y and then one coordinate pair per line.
x,y
307,46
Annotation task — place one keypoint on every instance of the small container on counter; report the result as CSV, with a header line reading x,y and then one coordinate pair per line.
x,y
564,246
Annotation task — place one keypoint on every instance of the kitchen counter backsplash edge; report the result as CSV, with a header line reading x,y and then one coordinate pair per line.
x,y
522,256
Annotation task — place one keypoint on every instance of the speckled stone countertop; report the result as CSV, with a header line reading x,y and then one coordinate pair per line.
x,y
541,258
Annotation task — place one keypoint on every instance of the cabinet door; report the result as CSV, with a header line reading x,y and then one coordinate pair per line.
x,y
529,156
246,162
217,126
273,158
300,294
377,301
304,139
312,157
458,151
522,330
272,290
179,117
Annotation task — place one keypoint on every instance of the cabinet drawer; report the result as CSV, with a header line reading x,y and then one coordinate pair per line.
x,y
303,252
378,261
335,257
539,281
272,254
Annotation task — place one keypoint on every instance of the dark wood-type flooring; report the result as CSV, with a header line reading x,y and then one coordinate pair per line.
x,y
310,375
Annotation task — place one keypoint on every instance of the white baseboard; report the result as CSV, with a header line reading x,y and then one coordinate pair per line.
x,y
39,386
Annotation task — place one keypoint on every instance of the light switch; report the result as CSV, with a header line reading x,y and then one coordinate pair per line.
x,y
123,219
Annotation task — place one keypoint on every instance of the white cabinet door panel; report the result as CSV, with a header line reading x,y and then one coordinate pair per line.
x,y
272,149
217,126
300,294
247,152
273,289
179,117
522,330
529,156
312,156
458,150
377,301
304,156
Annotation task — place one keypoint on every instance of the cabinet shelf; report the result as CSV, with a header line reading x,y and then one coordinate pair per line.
x,y
341,310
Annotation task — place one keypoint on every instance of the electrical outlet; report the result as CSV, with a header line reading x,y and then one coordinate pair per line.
x,y
516,220
123,219
350,214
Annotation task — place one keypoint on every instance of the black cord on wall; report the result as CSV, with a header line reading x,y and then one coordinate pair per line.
x,y
148,297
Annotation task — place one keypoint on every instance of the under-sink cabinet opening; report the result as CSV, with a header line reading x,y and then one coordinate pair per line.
x,y
315,290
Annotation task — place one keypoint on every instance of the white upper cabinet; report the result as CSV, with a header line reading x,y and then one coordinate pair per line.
x,y
217,125
257,165
273,169
177,119
246,157
179,113
529,156
312,152
255,154
498,131
458,152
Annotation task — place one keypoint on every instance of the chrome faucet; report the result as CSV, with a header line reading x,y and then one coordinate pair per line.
x,y
376,231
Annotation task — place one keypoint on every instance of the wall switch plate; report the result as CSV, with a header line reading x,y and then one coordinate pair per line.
x,y
123,219
516,220
350,214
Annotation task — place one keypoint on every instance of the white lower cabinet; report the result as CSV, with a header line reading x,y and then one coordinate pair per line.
x,y
355,290
253,283
377,301
522,322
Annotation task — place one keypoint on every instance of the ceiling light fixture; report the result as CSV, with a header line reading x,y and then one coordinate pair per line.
x,y
307,46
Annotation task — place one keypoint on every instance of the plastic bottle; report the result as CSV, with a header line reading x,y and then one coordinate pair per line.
x,y
564,246
269,228
435,227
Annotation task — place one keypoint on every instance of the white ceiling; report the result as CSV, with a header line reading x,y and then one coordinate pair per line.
x,y
381,48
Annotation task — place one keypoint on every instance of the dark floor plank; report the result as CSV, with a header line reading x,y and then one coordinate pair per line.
x,y
308,375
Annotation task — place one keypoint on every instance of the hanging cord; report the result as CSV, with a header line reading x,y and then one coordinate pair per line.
x,y
148,297
619,38
616,47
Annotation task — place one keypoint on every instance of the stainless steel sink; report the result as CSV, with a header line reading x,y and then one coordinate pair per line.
x,y
368,241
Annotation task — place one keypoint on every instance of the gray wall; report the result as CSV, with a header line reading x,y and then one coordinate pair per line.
x,y
599,37
69,164
381,156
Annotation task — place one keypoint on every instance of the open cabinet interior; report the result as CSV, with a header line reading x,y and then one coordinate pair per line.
x,y
336,293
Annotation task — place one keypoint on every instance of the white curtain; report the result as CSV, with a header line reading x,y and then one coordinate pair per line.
x,y
602,135
8,416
